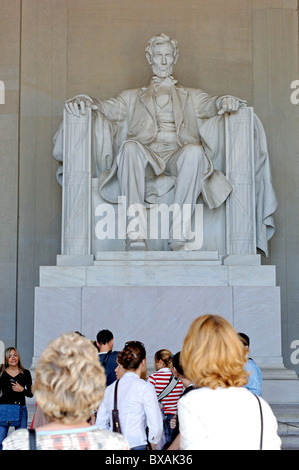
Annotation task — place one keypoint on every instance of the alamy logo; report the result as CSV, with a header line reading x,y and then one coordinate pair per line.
x,y
295,353
2,92
295,95
159,221
2,347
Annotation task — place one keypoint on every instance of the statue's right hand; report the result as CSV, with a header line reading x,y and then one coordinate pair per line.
x,y
77,105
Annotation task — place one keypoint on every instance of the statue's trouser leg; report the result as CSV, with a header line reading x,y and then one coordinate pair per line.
x,y
191,165
131,164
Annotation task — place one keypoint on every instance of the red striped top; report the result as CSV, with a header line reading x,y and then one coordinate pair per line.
x,y
160,380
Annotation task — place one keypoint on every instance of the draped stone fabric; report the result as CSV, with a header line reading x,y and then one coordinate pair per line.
x,y
134,115
213,137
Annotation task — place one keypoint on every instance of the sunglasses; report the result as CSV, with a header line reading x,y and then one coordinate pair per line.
x,y
132,343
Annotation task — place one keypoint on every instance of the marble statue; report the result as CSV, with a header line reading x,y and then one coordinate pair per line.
x,y
163,136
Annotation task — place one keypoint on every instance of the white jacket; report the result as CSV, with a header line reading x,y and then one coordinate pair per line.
x,y
138,408
225,419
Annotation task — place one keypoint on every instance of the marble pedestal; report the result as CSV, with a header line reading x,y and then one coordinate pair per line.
x,y
154,296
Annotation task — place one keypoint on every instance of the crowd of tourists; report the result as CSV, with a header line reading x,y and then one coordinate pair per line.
x,y
90,397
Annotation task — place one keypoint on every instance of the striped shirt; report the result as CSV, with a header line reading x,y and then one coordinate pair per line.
x,y
160,380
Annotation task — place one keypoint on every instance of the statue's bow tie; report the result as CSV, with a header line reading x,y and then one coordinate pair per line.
x,y
167,82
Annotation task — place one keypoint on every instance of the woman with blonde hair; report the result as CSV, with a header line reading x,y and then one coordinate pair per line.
x,y
69,385
15,386
168,389
220,413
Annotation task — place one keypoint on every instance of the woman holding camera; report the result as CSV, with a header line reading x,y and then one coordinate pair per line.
x,y
15,386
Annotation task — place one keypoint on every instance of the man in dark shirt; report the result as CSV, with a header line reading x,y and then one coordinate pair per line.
x,y
108,358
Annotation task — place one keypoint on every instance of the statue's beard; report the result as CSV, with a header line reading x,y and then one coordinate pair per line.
x,y
166,72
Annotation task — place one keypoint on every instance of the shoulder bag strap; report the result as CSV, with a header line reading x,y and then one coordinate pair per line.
x,y
262,422
115,417
115,395
169,387
32,439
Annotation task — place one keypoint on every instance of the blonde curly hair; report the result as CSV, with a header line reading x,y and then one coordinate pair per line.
x,y
213,355
69,380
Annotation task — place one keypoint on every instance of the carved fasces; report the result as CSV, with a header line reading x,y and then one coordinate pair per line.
x,y
240,172
77,174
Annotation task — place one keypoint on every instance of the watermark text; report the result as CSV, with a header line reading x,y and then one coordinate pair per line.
x,y
295,95
158,221
2,347
2,92
295,353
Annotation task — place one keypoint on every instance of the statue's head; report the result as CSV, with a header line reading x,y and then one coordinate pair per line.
x,y
162,53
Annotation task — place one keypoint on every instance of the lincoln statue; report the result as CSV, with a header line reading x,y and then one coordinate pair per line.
x,y
157,144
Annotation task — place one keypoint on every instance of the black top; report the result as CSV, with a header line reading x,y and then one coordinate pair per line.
x,y
7,395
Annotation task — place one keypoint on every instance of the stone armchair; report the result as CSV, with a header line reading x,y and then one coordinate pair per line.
x,y
235,143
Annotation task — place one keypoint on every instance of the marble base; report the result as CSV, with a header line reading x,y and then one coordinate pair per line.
x,y
158,268
160,317
154,296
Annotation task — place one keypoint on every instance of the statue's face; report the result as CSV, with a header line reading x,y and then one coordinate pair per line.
x,y
163,60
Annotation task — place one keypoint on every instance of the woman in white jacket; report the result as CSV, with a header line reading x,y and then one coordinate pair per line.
x,y
220,413
136,401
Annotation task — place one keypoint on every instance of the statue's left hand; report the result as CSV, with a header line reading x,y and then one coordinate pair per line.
x,y
230,104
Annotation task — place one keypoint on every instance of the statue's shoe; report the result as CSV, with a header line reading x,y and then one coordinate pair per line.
x,y
135,245
177,245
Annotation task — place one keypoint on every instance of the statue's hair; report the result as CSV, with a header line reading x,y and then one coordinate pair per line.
x,y
161,39
213,355
69,381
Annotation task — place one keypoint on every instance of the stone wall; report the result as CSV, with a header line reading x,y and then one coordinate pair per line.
x,y
9,175
54,49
